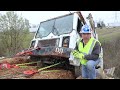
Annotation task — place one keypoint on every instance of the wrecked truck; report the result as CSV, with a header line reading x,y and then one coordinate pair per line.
x,y
55,39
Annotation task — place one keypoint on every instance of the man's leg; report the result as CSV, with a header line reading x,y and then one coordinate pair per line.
x,y
91,68
84,71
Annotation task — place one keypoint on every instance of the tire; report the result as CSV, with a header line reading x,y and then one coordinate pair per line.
x,y
40,64
77,71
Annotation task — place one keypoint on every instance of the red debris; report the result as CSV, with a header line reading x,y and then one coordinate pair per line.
x,y
7,66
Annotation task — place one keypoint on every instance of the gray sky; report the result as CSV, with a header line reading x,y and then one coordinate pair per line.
x,y
35,17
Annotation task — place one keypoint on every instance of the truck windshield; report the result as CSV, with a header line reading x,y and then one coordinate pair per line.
x,y
57,26
63,25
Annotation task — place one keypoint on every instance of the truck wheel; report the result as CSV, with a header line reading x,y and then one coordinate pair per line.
x,y
39,64
77,71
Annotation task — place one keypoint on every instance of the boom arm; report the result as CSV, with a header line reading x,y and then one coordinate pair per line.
x,y
91,21
81,17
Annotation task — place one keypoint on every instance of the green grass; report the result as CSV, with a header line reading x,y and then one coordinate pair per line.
x,y
108,34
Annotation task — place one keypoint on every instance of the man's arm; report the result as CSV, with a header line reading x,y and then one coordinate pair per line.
x,y
95,53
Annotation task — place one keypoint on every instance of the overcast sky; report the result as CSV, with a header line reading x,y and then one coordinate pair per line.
x,y
35,17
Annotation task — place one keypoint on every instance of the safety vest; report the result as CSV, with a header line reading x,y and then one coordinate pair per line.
x,y
87,49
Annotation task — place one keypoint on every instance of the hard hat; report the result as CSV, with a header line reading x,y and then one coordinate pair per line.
x,y
85,29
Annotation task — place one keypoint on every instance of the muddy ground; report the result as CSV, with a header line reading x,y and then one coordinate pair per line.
x,y
17,73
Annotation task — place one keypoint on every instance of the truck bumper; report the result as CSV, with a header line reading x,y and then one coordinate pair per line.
x,y
52,51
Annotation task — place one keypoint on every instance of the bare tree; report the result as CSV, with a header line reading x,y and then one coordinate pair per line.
x,y
13,32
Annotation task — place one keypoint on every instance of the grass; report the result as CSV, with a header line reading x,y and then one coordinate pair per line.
x,y
110,39
108,34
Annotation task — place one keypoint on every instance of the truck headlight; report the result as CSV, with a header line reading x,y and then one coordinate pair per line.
x,y
65,42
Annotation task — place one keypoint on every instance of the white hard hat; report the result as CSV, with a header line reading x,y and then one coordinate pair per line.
x,y
85,29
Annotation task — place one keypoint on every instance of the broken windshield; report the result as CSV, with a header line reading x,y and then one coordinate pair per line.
x,y
57,26
45,29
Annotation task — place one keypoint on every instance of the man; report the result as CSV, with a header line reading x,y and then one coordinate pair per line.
x,y
88,51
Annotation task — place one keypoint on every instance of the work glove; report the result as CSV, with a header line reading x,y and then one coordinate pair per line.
x,y
83,61
81,56
76,54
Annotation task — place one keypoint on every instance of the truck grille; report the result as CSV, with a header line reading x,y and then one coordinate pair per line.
x,y
49,42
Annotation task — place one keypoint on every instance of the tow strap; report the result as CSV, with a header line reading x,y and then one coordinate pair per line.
x,y
31,72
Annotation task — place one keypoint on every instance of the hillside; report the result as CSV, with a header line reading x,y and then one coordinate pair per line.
x,y
110,39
